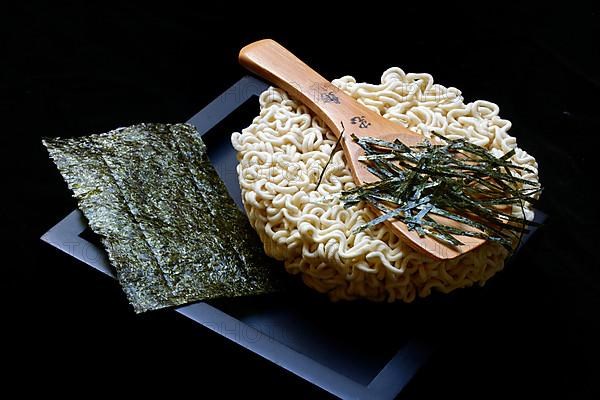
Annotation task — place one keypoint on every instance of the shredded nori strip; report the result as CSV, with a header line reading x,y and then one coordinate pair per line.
x,y
170,228
456,180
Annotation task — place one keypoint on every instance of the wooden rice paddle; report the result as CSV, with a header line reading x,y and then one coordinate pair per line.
x,y
271,61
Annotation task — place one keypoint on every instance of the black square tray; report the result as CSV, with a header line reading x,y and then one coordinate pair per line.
x,y
352,350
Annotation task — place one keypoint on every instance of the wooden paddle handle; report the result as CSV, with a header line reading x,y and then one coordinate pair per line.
x,y
273,62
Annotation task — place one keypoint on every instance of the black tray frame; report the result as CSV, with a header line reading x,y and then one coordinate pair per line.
x,y
386,384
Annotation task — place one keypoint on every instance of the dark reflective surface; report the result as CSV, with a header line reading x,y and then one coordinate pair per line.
x,y
82,68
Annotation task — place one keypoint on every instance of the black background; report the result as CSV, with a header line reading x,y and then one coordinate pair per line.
x,y
77,69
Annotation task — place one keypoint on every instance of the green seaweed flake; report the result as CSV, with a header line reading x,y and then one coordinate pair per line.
x,y
456,180
170,228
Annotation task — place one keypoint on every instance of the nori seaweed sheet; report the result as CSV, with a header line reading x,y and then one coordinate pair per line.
x,y
168,224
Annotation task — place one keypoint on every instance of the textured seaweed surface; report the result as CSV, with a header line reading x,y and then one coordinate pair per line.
x,y
170,228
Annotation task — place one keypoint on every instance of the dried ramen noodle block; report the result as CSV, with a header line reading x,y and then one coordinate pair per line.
x,y
282,153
